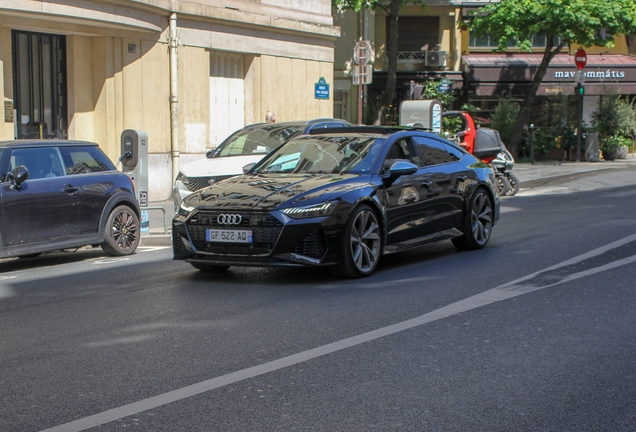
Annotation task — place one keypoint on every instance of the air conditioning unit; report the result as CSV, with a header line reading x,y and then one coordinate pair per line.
x,y
435,58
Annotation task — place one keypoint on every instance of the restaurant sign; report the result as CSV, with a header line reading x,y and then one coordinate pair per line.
x,y
590,74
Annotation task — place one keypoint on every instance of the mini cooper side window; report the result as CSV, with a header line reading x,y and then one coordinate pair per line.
x,y
81,160
43,162
433,152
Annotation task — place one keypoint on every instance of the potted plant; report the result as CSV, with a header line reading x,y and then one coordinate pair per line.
x,y
615,121
615,147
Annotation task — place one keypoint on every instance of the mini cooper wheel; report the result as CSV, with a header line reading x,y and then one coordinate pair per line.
x,y
210,268
122,232
478,223
362,244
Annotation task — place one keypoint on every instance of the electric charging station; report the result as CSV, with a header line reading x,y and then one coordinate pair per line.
x,y
134,159
423,113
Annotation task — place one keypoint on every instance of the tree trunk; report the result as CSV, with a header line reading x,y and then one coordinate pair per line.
x,y
391,78
526,107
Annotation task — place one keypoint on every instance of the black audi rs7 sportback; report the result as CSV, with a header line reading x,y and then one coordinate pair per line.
x,y
340,198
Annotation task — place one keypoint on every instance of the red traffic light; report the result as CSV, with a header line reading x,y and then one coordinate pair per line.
x,y
580,58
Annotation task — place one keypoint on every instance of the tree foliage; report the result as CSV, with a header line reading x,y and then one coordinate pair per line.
x,y
504,117
392,9
564,22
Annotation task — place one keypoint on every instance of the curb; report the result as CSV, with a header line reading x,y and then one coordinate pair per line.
x,y
156,240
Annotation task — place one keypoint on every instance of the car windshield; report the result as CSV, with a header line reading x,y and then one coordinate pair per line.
x,y
322,154
258,140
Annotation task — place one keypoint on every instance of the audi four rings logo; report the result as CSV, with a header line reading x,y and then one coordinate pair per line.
x,y
229,219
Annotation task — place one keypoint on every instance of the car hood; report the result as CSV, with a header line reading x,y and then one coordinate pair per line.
x,y
221,166
267,192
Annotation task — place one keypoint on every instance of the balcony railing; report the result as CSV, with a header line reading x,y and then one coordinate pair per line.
x,y
414,60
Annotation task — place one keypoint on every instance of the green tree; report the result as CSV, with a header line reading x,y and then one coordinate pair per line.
x,y
392,9
584,22
504,117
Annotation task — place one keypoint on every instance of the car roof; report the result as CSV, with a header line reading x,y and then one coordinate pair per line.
x,y
301,124
45,143
374,130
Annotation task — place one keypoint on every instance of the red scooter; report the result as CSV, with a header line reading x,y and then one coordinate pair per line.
x,y
486,144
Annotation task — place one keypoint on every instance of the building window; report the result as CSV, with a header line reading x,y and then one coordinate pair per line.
x,y
226,65
418,33
39,85
340,105
487,41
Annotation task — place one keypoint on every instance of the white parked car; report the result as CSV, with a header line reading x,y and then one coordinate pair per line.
x,y
245,146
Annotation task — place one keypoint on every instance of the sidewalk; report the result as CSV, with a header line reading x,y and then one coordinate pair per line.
x,y
543,170
530,176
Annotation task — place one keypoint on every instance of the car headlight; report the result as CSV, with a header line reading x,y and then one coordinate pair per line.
x,y
188,205
315,210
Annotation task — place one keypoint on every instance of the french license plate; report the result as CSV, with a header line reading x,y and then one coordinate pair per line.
x,y
228,236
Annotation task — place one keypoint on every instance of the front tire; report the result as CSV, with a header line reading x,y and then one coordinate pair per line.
x,y
122,232
478,222
362,244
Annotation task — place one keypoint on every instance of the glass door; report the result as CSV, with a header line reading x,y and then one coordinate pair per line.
x,y
39,85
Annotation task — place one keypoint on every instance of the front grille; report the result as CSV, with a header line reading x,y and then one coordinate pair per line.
x,y
265,231
196,183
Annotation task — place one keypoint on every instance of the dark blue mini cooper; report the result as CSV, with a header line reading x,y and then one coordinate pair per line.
x,y
57,195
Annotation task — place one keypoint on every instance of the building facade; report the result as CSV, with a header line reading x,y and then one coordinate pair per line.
x,y
434,45
186,73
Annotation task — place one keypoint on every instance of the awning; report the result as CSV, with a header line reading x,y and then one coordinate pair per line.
x,y
505,74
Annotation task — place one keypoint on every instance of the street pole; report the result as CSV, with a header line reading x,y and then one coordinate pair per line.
x,y
532,143
579,114
360,101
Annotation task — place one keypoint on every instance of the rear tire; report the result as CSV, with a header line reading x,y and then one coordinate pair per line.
x,y
478,222
514,184
210,268
362,244
121,236
502,183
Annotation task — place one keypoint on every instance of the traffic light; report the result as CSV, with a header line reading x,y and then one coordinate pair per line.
x,y
580,90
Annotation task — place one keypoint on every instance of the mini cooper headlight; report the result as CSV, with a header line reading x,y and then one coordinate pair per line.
x,y
315,210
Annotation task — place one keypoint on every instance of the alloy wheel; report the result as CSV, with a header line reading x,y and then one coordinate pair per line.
x,y
481,218
365,241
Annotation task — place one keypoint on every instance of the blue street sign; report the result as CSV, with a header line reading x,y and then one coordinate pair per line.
x,y
322,89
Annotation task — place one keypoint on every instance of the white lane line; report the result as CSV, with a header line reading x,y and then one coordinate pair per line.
x,y
503,292
110,260
151,248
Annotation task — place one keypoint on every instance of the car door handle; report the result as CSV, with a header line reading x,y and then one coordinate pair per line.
x,y
426,184
70,189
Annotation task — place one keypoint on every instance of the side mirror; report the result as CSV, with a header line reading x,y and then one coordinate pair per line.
x,y
401,168
18,175
248,167
398,169
210,153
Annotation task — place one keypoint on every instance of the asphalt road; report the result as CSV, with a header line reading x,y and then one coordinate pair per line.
x,y
535,332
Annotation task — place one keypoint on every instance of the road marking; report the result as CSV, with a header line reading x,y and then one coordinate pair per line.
x,y
503,292
151,248
110,260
